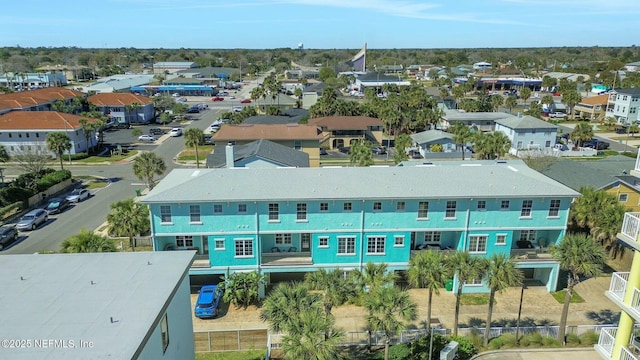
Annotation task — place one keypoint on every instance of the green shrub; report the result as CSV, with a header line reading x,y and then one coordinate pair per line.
x,y
10,209
79,156
504,341
52,179
550,342
466,350
533,340
400,351
589,338
496,343
573,339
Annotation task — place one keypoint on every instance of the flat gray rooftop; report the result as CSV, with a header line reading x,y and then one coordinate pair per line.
x,y
52,297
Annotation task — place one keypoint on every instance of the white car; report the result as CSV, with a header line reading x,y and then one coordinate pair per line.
x,y
557,115
175,132
146,137
78,195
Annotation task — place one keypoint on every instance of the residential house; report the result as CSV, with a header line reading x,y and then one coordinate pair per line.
x,y
633,66
622,342
527,134
282,101
25,132
593,108
289,116
94,306
37,100
124,108
482,121
296,136
259,153
339,131
425,140
623,105
290,221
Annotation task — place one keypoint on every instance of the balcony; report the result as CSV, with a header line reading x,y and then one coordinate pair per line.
x,y
290,258
616,293
201,261
626,354
630,229
533,254
604,347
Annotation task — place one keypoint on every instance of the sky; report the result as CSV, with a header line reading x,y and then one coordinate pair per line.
x,y
319,24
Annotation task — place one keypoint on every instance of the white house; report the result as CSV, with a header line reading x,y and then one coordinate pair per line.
x,y
527,133
481,66
426,139
623,104
97,306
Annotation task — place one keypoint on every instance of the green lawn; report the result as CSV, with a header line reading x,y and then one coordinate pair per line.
x,y
474,299
560,295
189,154
100,159
233,355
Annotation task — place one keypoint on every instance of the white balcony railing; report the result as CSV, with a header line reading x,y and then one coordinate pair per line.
x,y
631,225
618,285
626,354
635,301
606,340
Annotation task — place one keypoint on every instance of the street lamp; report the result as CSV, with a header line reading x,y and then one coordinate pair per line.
x,y
519,313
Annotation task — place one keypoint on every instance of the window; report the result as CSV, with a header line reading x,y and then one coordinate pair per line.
x,y
432,237
375,245
398,241
504,205
165,214
301,211
297,144
164,333
377,206
323,242
623,197
423,210
346,206
547,143
184,241
283,239
527,235
482,205
324,206
501,239
401,206
473,282
451,210
347,245
242,208
478,244
219,244
274,212
244,248
519,146
194,213
526,208
554,208
217,208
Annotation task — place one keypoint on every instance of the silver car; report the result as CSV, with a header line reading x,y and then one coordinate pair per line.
x,y
32,219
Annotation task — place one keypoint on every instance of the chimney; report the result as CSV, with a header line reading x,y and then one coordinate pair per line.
x,y
229,157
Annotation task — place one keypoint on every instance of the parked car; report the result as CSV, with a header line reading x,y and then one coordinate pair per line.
x,y
344,149
145,137
378,150
175,132
621,130
32,219
57,205
202,106
557,115
415,154
78,195
597,144
323,151
156,131
208,299
193,110
245,101
208,139
8,235
237,108
182,99
121,125
223,93
217,98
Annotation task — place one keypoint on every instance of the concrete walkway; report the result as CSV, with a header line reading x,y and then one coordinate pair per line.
x,y
541,354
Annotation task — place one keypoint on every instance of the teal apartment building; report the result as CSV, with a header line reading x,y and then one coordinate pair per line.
x,y
285,222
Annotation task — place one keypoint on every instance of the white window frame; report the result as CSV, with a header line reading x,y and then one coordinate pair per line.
x,y
347,206
195,217
448,210
482,205
377,206
283,239
274,212
554,208
165,214
526,211
473,282
301,212
247,251
324,206
242,208
423,210
432,237
623,197
375,245
218,244
528,235
398,241
217,209
504,239
183,240
503,203
475,242
401,206
322,239
346,243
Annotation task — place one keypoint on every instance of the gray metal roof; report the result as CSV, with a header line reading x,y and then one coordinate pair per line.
x,y
455,115
525,122
52,297
628,91
428,136
263,149
455,179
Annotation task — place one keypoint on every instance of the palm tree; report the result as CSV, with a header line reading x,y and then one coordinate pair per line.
x,y
146,166
283,306
192,138
128,218
427,270
525,94
305,340
360,153
4,154
582,132
501,273
87,242
511,102
571,98
388,308
58,142
372,277
461,135
581,256
465,267
496,101
335,289
548,100
87,129
242,289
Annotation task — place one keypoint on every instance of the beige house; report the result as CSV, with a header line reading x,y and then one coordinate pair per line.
x,y
297,136
339,131
593,108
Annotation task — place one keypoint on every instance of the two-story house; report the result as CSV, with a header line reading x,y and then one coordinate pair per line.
x,y
297,220
339,131
592,108
124,108
624,105
37,100
297,136
527,134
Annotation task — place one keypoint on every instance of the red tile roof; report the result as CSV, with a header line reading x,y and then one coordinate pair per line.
x,y
24,99
118,99
40,120
267,131
346,122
